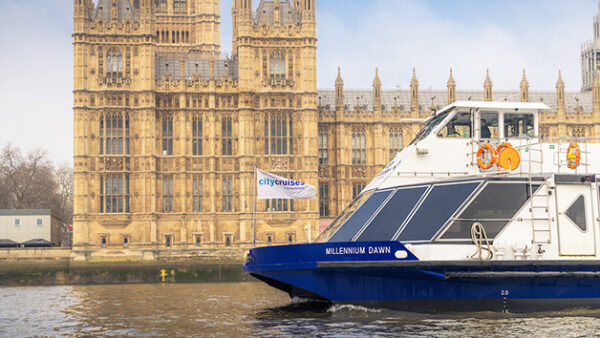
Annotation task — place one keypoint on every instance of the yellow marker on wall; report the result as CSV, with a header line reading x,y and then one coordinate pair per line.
x,y
163,274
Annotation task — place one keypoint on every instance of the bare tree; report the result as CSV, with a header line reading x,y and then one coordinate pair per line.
x,y
64,181
31,182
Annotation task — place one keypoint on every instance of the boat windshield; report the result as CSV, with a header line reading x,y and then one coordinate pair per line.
x,y
428,128
342,217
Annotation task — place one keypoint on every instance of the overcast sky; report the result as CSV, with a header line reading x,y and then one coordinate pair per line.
x,y
36,58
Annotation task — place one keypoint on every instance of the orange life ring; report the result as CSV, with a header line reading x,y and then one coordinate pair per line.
x,y
486,163
573,155
502,146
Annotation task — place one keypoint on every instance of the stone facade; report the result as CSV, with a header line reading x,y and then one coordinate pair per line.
x,y
167,133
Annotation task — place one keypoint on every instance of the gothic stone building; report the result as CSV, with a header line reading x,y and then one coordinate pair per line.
x,y
167,132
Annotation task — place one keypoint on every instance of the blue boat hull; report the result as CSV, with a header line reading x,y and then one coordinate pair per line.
x,y
347,273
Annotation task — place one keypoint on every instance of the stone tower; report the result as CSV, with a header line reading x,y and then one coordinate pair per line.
x,y
590,57
167,132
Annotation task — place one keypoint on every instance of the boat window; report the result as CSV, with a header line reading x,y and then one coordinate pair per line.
x,y
428,128
518,125
388,220
342,217
576,213
488,127
458,126
439,205
494,207
356,221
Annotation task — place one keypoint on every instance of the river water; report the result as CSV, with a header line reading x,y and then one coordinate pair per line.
x,y
247,309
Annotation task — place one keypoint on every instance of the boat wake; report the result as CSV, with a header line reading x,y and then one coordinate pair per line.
x,y
350,307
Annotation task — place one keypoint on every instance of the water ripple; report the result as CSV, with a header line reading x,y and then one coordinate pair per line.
x,y
249,309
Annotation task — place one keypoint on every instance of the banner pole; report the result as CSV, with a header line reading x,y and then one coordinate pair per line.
x,y
254,209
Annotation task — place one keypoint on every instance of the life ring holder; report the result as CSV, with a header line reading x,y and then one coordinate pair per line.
x,y
573,155
493,156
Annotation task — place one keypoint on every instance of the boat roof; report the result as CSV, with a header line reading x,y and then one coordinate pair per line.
x,y
494,105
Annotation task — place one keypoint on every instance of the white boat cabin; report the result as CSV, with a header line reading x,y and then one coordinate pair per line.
x,y
483,163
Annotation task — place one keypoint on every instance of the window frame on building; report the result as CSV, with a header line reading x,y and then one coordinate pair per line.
x,y
359,146
179,5
197,194
167,135
279,205
114,134
278,133
277,68
396,142
119,194
169,239
167,193
226,136
114,70
291,237
323,146
228,238
198,239
160,5
227,194
197,136
323,199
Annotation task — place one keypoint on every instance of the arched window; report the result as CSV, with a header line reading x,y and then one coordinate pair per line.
x,y
323,148
178,5
114,64
358,146
277,70
125,242
395,142
114,134
278,134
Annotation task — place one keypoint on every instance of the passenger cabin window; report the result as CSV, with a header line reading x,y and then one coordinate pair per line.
x,y
518,125
495,206
428,128
458,127
576,213
488,125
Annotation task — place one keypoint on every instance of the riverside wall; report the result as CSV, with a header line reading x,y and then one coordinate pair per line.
x,y
63,266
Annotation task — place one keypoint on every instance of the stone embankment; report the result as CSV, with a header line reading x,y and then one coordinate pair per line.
x,y
56,266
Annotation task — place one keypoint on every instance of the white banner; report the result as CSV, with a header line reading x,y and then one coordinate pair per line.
x,y
273,186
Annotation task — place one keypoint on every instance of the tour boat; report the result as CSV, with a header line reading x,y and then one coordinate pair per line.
x,y
476,213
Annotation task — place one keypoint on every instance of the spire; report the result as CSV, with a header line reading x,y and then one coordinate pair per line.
x,y
560,93
339,90
451,88
560,81
376,91
524,88
414,92
487,87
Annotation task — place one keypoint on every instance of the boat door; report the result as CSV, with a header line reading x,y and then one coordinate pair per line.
x,y
576,230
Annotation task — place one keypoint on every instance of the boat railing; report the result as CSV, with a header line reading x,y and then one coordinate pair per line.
x,y
563,143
